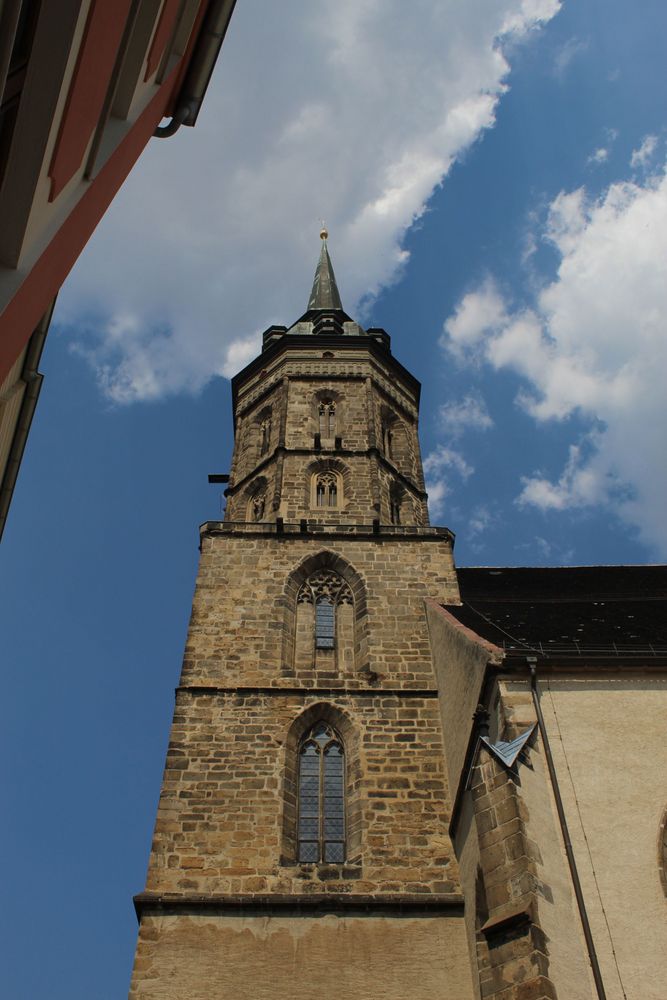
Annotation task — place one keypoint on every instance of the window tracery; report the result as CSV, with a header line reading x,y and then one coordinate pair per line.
x,y
327,415
321,796
326,591
326,490
324,585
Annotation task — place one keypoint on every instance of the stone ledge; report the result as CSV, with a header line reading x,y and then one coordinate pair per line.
x,y
314,530
283,904
307,692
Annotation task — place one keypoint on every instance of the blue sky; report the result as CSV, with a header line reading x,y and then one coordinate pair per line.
x,y
492,175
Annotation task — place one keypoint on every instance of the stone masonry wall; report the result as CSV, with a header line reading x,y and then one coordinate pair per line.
x,y
220,825
366,394
241,610
200,957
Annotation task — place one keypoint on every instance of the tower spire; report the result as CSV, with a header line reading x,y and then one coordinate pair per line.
x,y
324,294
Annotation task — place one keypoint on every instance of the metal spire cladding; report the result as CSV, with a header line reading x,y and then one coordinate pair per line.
x,y
324,294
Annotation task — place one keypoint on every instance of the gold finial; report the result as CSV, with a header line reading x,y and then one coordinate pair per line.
x,y
324,232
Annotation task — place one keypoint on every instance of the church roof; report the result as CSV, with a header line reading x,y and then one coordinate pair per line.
x,y
574,611
324,294
325,313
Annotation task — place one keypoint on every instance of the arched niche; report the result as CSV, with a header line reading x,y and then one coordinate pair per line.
x,y
327,413
395,439
256,500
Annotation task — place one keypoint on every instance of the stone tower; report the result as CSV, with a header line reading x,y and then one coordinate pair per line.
x,y
301,847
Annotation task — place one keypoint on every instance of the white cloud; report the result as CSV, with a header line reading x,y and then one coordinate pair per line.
x,y
353,111
480,520
594,344
438,491
579,485
567,53
598,156
439,467
479,314
469,413
641,157
447,458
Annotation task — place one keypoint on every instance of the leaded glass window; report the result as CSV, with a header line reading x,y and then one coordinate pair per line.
x,y
321,823
324,625
326,590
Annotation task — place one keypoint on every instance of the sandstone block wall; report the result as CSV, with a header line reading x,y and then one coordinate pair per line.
x,y
242,607
221,825
375,443
298,958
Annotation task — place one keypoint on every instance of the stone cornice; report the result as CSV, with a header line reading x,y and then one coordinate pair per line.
x,y
279,904
305,692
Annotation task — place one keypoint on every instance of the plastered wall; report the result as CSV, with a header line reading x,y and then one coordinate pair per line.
x,y
608,741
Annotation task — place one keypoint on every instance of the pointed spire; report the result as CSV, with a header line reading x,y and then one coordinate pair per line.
x,y
325,294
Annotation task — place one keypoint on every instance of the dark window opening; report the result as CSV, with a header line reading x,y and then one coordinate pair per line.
x,y
387,440
265,435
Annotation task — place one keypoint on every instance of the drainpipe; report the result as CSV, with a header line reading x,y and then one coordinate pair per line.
x,y
590,946
202,61
181,114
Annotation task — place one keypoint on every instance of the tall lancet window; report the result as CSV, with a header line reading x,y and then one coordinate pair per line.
x,y
324,635
321,824
327,418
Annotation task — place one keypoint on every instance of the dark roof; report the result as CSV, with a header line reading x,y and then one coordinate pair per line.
x,y
574,610
324,294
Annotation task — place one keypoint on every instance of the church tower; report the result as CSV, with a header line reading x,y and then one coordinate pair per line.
x,y
301,847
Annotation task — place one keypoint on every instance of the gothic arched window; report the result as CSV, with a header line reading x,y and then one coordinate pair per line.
x,y
327,592
327,412
321,813
326,490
